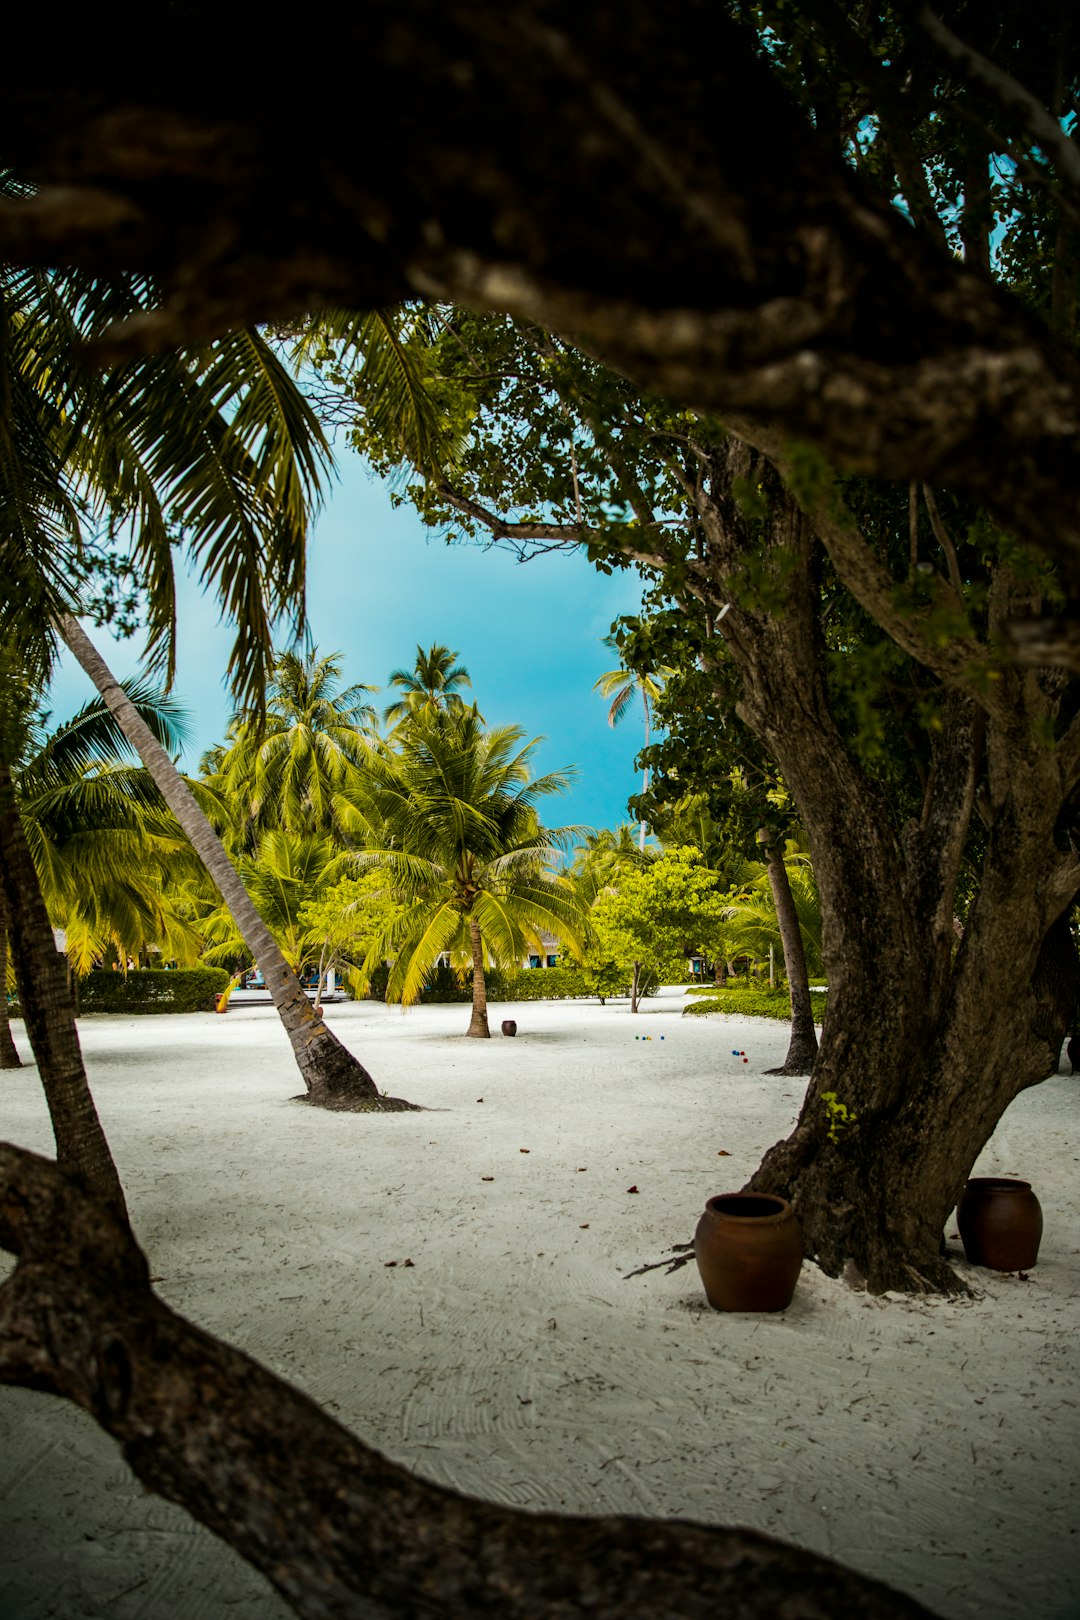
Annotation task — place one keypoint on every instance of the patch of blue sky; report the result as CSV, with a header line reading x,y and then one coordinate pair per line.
x,y
380,584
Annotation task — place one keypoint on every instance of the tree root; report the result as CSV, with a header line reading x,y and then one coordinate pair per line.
x,y
361,1104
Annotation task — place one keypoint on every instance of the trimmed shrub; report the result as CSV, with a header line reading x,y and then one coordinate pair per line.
x,y
536,984
152,990
507,984
750,1002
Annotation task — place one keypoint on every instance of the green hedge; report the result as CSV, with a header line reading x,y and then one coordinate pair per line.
x,y
524,984
152,990
508,984
750,1002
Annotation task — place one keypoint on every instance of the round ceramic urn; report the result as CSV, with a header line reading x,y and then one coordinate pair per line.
x,y
1000,1221
749,1251
509,1026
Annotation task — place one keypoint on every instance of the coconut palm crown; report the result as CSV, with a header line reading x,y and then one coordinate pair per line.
x,y
287,767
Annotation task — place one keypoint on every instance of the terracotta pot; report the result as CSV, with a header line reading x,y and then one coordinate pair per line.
x,y
749,1251
509,1026
1000,1221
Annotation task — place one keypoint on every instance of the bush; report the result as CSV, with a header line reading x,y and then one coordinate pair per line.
x,y
508,984
152,990
750,1002
536,984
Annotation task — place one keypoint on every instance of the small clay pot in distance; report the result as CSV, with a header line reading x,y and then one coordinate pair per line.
x,y
509,1026
749,1251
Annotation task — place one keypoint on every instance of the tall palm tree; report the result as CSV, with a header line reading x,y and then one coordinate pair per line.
x,y
454,827
287,871
218,447
288,765
41,979
621,686
434,682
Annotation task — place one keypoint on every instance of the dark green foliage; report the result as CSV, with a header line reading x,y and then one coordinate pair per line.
x,y
152,990
748,1001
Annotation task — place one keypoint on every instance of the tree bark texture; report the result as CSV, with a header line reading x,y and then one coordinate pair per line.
x,y
924,1075
803,1045
478,1021
42,979
340,1531
9,1052
718,250
333,1076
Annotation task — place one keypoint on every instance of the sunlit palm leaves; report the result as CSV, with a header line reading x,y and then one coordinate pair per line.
x,y
289,768
453,822
216,449
111,861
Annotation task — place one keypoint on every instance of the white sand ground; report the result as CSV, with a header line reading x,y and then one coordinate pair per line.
x,y
932,1443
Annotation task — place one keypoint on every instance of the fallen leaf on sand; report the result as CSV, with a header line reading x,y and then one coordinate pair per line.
x,y
523,1150
389,1263
487,1178
584,1227
581,1168
722,1153
406,1262
479,1099
631,1189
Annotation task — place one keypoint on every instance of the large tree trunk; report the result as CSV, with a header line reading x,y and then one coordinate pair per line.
x,y
803,1045
9,1053
339,1530
41,976
333,1076
923,1045
478,1022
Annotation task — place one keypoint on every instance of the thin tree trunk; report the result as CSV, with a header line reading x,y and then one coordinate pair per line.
x,y
1055,988
9,1054
478,1023
337,1528
645,772
803,1045
41,976
635,981
333,1076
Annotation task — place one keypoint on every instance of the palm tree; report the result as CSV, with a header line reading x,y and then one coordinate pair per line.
x,y
287,871
622,685
288,765
41,980
107,853
218,446
454,827
434,682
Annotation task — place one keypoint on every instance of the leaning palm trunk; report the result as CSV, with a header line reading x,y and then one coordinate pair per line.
x,y
478,1023
41,975
803,1046
9,1056
333,1077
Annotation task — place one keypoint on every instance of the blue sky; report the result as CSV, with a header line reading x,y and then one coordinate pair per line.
x,y
530,635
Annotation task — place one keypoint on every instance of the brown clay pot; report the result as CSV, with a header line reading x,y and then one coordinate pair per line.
x,y
1000,1221
509,1026
749,1251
